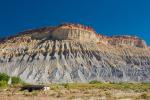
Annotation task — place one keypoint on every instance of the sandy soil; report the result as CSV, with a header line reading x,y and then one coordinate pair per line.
x,y
74,94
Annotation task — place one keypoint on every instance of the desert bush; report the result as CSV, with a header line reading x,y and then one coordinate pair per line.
x,y
144,96
95,82
16,80
107,93
55,87
66,85
34,93
4,77
3,84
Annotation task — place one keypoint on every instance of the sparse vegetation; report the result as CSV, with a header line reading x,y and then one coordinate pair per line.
x,y
4,78
16,80
137,87
34,93
144,96
66,85
95,82
55,87
3,84
81,90
92,90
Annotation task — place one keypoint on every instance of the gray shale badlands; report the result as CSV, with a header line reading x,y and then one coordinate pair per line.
x,y
74,53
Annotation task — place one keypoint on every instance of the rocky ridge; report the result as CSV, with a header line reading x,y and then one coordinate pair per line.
x,y
74,53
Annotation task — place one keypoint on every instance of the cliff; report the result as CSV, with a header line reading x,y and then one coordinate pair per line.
x,y
123,41
74,53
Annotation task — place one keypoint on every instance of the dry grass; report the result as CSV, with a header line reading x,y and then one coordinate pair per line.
x,y
84,91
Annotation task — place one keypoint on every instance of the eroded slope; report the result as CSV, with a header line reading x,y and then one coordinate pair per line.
x,y
46,60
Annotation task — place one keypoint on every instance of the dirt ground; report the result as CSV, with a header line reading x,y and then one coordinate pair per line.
x,y
74,94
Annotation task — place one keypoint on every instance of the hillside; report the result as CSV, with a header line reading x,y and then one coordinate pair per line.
x,y
74,53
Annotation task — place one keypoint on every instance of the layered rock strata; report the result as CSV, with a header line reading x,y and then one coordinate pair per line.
x,y
74,53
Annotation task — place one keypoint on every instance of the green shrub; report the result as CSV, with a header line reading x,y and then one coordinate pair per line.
x,y
55,87
3,84
16,80
66,85
95,82
34,93
4,77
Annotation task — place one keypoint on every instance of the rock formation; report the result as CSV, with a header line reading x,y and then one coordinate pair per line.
x,y
74,53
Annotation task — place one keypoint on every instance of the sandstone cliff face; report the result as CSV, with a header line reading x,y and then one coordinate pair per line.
x,y
74,32
123,41
55,58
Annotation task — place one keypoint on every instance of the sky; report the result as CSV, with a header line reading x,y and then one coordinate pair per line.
x,y
108,17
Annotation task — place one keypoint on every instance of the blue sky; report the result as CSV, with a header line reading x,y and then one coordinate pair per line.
x,y
109,17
